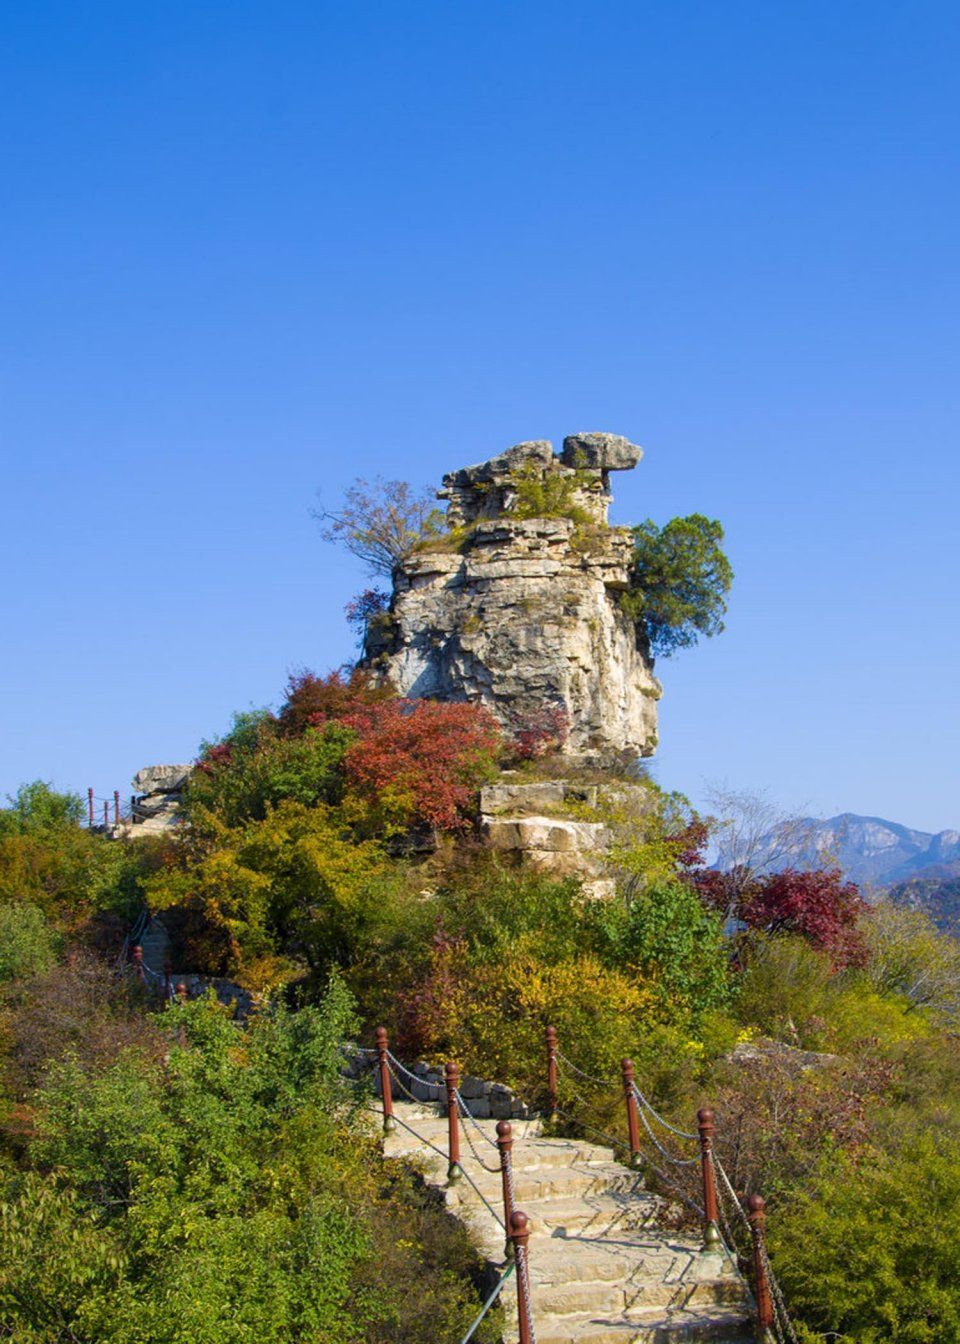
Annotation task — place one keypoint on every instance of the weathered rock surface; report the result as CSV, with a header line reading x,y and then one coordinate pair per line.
x,y
161,778
522,614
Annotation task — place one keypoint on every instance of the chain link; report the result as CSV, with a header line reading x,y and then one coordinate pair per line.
x,y
675,1161
587,1077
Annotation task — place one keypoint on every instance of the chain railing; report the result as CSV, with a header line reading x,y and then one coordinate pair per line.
x,y
729,1228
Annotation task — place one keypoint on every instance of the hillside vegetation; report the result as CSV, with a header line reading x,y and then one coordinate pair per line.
x,y
171,1176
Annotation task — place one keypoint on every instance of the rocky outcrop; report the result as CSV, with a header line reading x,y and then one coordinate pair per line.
x,y
155,807
521,613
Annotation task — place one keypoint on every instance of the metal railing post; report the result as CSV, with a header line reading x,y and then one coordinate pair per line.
x,y
633,1125
106,815
552,1073
116,807
386,1091
711,1219
505,1144
756,1212
451,1076
90,806
520,1237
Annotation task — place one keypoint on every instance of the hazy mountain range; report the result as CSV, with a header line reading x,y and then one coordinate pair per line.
x,y
869,850
917,868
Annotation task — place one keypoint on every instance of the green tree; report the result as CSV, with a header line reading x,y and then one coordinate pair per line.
x,y
679,580
39,807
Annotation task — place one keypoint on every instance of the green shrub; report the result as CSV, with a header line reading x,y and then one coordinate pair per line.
x,y
223,1193
27,943
869,1253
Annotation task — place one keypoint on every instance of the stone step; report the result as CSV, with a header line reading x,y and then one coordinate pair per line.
x,y
551,1182
602,1269
719,1325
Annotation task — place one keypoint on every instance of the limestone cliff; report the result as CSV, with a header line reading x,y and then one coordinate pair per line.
x,y
521,612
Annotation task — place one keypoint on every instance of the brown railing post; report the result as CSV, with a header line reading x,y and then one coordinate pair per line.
x,y
386,1092
552,1073
633,1126
116,807
520,1236
90,806
451,1075
505,1144
756,1212
711,1220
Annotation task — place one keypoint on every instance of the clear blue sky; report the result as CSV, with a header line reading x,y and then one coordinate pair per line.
x,y
253,249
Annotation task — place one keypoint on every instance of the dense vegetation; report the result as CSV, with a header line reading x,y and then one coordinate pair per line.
x,y
167,1173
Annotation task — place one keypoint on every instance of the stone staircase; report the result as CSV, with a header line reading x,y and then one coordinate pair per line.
x,y
155,942
602,1270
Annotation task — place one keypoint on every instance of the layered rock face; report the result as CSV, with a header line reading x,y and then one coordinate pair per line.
x,y
521,613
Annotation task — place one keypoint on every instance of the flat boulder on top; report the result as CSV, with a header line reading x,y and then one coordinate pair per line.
x,y
161,778
602,452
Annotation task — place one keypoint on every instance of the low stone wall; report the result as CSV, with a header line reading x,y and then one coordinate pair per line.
x,y
483,1100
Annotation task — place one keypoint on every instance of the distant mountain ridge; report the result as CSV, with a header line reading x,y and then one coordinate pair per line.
x,y
871,851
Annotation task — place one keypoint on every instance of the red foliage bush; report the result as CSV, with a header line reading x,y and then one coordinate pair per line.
x,y
312,701
539,733
817,904
425,751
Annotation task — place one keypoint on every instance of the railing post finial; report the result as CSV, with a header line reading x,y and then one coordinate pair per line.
x,y
633,1125
711,1230
756,1212
386,1091
519,1229
552,1073
451,1075
505,1144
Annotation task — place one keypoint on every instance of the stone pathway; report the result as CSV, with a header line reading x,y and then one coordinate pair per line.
x,y
603,1272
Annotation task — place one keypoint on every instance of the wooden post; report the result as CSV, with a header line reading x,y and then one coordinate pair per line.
x,y
451,1075
90,806
711,1229
505,1144
633,1124
520,1237
136,956
552,1073
386,1092
116,807
756,1212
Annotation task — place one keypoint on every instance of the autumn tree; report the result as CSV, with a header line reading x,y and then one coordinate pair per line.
x,y
380,522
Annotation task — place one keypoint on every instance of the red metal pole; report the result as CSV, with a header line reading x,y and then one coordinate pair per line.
x,y
520,1236
386,1093
711,1220
552,1072
90,806
505,1144
633,1124
452,1079
756,1212
116,807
